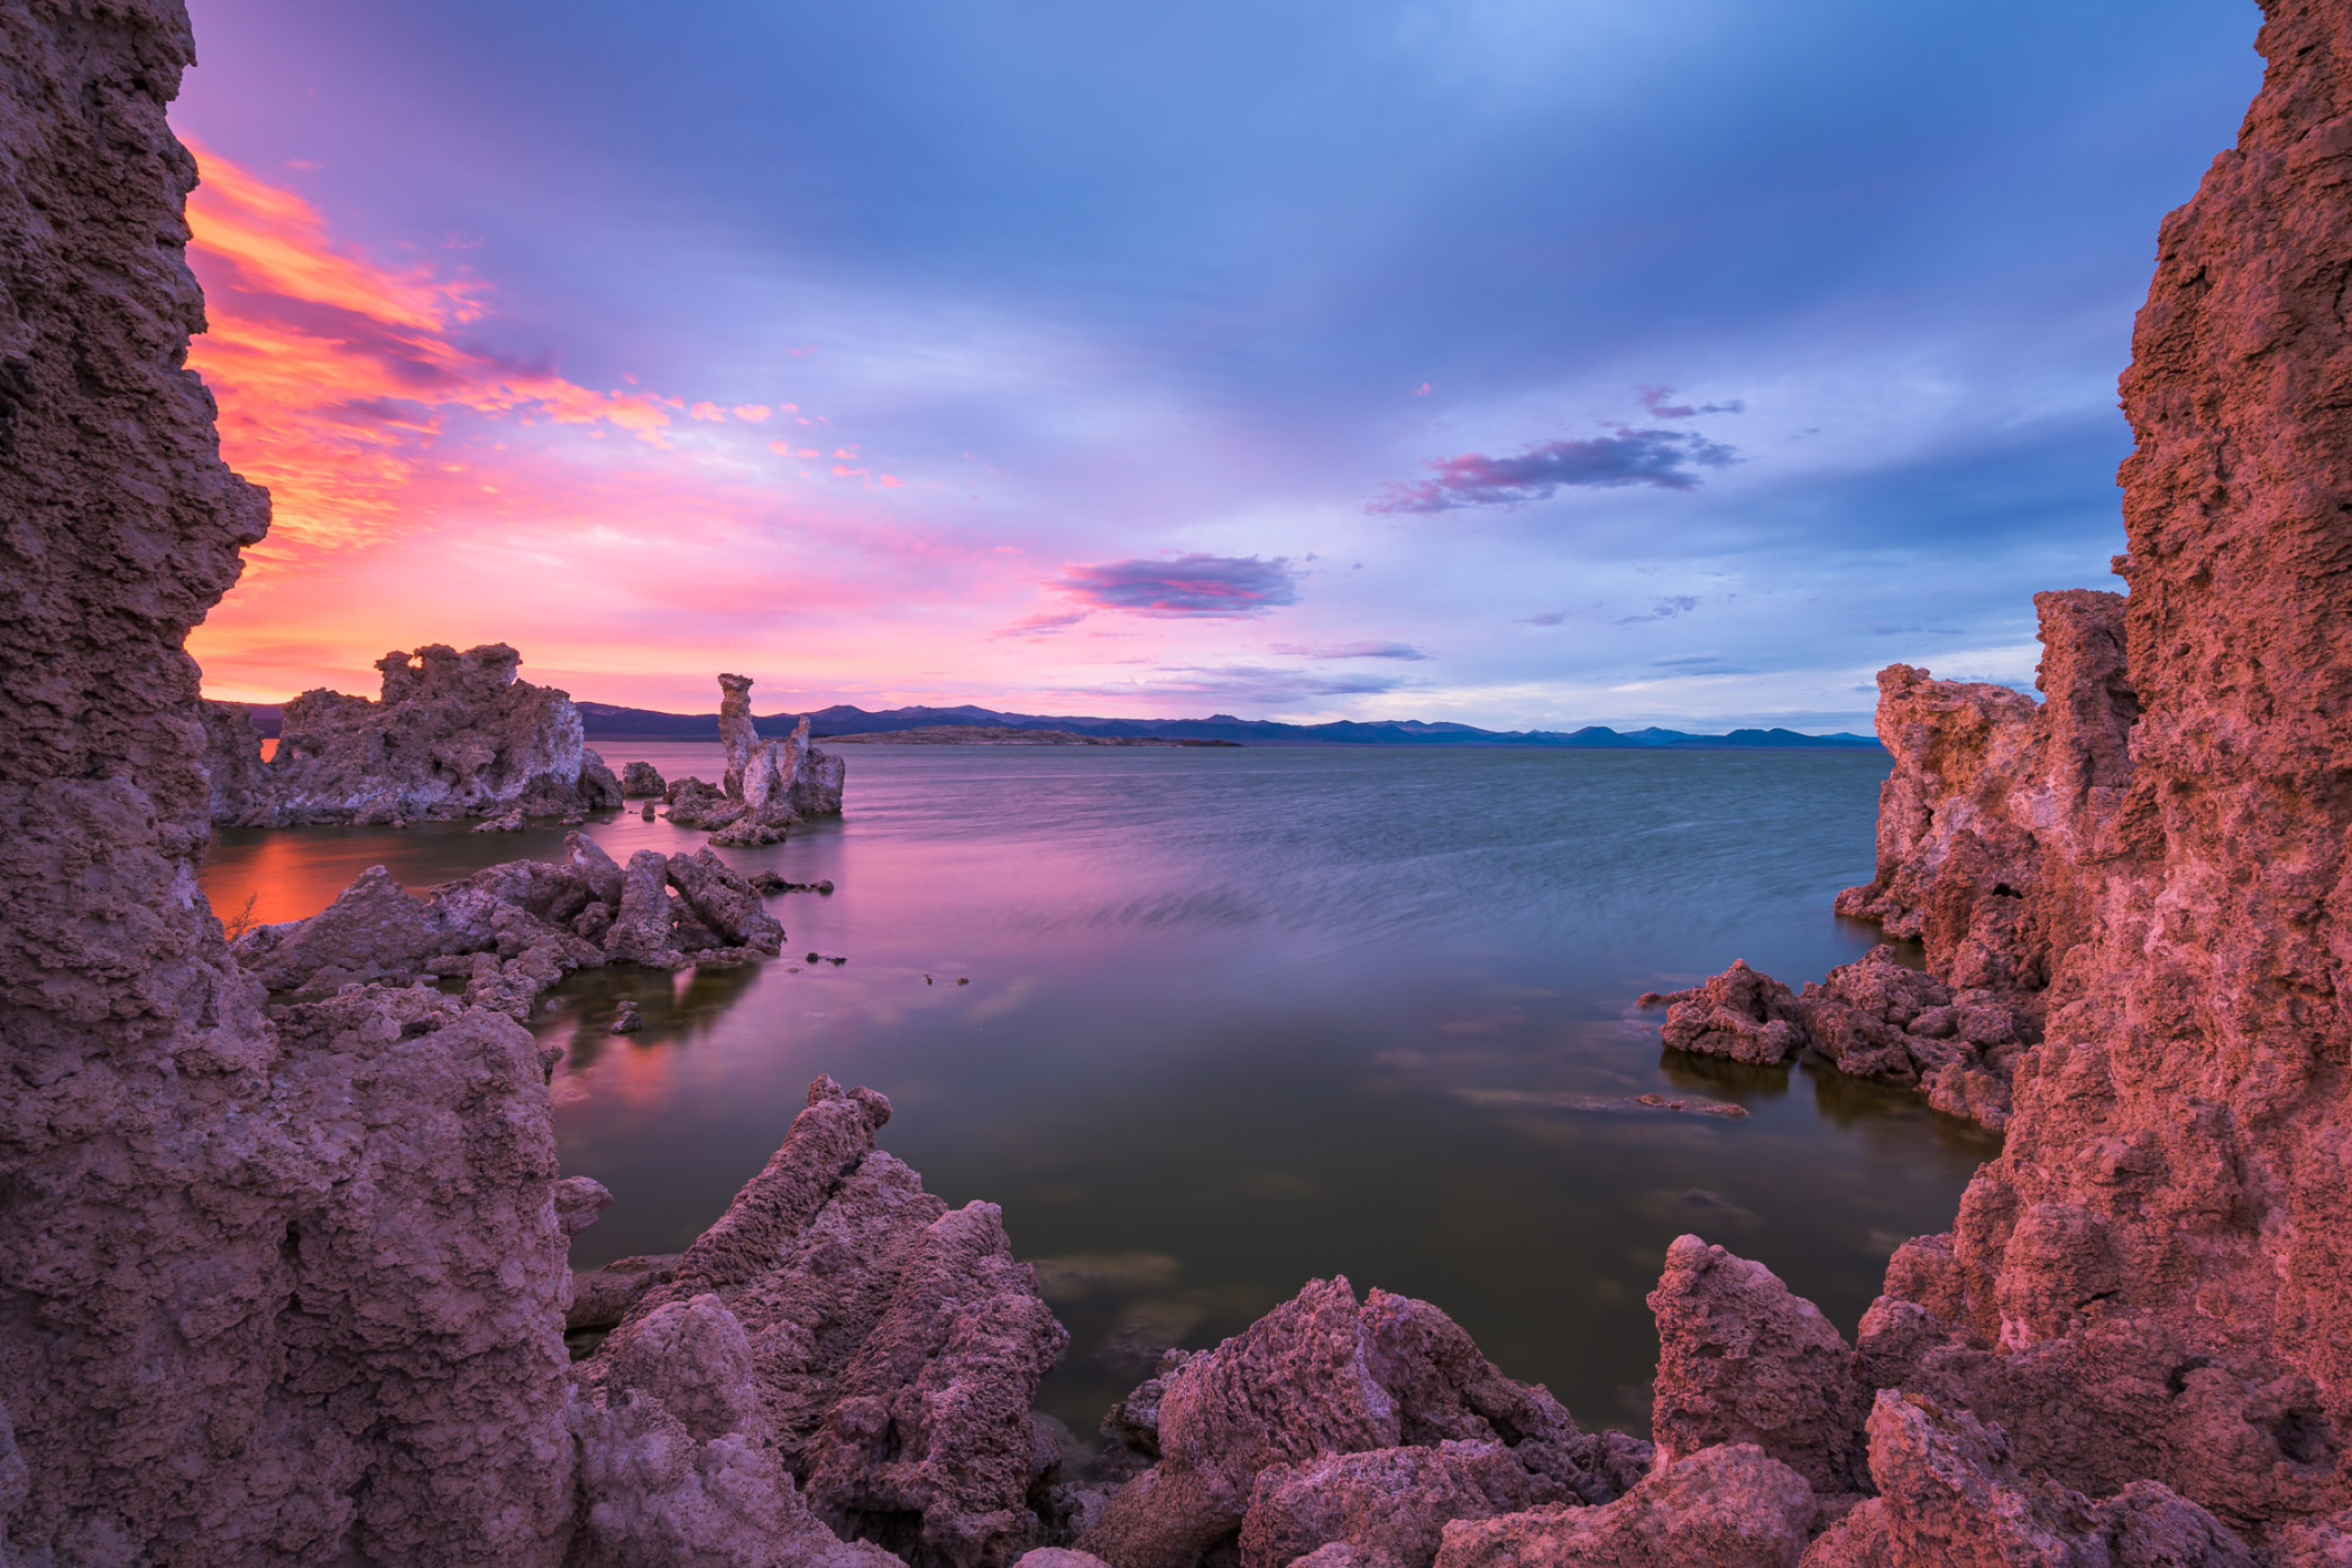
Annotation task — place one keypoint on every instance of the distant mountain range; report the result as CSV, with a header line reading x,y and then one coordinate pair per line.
x,y
608,721
604,719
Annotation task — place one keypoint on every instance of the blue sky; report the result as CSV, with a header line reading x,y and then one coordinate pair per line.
x,y
1522,365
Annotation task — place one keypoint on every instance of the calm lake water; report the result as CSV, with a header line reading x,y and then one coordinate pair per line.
x,y
1237,1019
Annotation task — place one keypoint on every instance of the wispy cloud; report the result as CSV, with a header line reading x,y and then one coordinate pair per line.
x,y
1654,399
1667,459
1186,585
1043,625
1350,651
1547,618
1661,610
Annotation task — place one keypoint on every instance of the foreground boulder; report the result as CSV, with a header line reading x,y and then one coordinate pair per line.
x,y
1327,1422
452,735
1743,1360
854,1354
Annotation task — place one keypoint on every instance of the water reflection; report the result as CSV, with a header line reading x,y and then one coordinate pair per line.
x,y
1236,1019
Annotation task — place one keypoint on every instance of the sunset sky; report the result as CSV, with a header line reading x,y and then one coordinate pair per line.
x,y
1522,363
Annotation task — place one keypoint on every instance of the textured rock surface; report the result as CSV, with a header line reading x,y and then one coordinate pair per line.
x,y
602,1297
1740,1014
1950,1495
774,781
2147,1286
452,735
1876,1018
513,930
1723,1507
889,1348
275,1293
1742,1360
1322,1376
1995,800
1391,1505
644,780
242,795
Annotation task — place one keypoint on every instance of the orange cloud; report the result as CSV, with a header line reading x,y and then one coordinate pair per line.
x,y
336,373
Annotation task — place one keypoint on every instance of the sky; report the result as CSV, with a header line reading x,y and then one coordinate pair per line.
x,y
1518,363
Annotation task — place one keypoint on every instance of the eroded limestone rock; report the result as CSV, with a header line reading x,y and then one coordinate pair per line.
x,y
1746,1016
1949,1494
1320,1377
514,930
452,735
775,781
1727,1508
641,780
276,1292
2147,1284
1741,1360
890,1349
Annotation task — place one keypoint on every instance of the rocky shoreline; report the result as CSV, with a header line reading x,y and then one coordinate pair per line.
x,y
287,1279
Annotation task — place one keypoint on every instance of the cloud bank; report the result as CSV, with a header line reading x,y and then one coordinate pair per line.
x,y
1667,459
1186,585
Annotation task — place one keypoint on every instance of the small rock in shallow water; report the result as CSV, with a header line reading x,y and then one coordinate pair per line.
x,y
625,1019
510,823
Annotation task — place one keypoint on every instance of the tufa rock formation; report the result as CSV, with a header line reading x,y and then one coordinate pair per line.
x,y
277,1290
452,735
768,784
2136,1346
1995,807
1329,1423
845,1351
513,930
2148,1283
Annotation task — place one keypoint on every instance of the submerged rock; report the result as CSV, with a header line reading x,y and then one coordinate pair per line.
x,y
511,931
1876,1018
639,780
1740,1013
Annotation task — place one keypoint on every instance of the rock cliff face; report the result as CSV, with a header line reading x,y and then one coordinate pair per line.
x,y
1995,812
2135,1344
2149,1282
275,1293
452,735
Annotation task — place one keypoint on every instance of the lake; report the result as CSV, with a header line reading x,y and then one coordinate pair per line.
x,y
1236,1018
